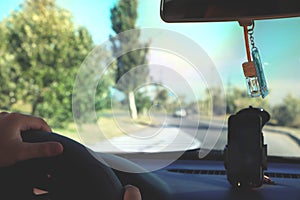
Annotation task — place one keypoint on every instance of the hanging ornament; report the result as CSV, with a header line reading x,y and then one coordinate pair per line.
x,y
253,70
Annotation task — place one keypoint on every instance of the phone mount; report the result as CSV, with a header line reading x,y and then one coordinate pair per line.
x,y
246,153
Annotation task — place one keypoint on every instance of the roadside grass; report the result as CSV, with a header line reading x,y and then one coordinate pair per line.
x,y
69,131
109,124
106,128
121,125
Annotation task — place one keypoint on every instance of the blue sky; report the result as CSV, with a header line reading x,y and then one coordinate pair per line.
x,y
278,40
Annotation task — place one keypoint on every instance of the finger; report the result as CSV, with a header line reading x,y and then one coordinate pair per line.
x,y
23,122
35,123
39,150
132,193
3,114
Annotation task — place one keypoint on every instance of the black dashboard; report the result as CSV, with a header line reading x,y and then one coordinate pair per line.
x,y
206,179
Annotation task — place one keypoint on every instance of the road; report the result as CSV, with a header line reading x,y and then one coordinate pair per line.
x,y
171,134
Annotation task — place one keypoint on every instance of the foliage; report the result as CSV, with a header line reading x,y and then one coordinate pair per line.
x,y
128,74
39,58
92,88
213,103
143,102
237,99
162,97
287,113
8,72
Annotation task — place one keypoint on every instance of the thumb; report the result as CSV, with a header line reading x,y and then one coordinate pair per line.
x,y
39,150
132,193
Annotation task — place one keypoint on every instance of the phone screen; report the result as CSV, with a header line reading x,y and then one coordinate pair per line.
x,y
245,144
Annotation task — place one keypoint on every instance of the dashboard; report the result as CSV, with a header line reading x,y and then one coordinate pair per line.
x,y
207,180
188,179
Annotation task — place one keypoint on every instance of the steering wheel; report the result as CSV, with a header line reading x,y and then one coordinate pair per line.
x,y
75,174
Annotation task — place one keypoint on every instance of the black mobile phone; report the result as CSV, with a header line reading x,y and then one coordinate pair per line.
x,y
246,153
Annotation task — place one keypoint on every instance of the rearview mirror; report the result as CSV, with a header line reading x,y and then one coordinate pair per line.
x,y
229,10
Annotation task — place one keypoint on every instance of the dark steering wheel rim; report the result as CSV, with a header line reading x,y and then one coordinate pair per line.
x,y
75,174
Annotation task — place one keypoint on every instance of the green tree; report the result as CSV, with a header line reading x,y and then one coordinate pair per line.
x,y
214,101
286,113
143,102
162,98
92,88
47,50
9,72
237,99
123,17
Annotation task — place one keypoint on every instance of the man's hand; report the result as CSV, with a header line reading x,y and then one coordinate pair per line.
x,y
13,149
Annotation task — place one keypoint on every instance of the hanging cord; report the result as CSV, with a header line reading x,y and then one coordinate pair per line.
x,y
247,43
250,33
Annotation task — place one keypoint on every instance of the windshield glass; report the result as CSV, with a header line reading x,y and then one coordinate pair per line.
x,y
156,87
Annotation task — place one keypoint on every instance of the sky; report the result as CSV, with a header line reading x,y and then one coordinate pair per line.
x,y
277,40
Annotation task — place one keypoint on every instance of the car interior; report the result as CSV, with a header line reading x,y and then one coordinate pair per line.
x,y
217,118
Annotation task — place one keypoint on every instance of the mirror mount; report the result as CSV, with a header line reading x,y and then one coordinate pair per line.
x,y
245,22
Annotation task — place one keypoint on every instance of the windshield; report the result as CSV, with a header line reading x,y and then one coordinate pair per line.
x,y
156,87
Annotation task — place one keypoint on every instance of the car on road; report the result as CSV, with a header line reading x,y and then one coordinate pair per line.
x,y
180,112
117,98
